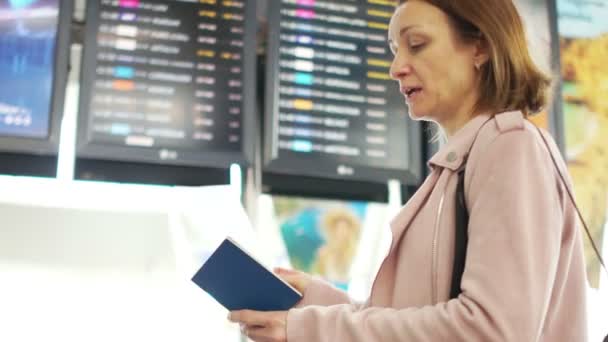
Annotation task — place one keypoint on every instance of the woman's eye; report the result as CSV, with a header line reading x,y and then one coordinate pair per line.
x,y
415,47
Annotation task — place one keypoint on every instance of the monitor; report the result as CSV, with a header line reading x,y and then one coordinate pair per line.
x,y
331,109
168,82
34,52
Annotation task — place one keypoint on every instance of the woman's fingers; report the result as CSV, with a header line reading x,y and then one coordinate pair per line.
x,y
297,279
249,317
284,271
261,326
258,334
265,334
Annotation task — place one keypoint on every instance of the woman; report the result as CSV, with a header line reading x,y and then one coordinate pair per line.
x,y
463,64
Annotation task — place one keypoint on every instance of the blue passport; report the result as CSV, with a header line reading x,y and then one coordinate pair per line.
x,y
237,281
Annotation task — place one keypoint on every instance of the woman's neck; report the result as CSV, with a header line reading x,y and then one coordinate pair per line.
x,y
458,118
454,124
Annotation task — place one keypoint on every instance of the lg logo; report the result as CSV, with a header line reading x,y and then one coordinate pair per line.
x,y
165,154
344,170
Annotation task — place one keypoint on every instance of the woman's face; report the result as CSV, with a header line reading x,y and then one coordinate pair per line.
x,y
434,67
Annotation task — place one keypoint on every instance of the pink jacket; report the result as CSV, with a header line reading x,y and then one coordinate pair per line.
x,y
524,278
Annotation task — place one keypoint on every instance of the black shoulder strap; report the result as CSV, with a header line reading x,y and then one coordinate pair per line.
x,y
461,237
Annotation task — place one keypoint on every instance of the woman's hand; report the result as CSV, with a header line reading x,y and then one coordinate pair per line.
x,y
262,326
270,326
299,280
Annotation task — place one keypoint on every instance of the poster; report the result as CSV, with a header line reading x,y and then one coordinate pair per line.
x,y
583,30
321,237
343,242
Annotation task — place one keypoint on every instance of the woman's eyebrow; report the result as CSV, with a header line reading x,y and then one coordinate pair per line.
x,y
406,28
403,30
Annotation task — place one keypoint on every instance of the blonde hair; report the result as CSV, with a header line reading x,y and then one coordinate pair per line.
x,y
510,80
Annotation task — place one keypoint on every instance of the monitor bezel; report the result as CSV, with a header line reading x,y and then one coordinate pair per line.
x,y
556,111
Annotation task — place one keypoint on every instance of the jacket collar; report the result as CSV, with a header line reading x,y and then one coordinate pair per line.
x,y
453,154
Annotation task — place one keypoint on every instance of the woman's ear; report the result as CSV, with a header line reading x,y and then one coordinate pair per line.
x,y
481,53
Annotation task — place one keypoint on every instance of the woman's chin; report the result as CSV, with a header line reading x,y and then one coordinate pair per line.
x,y
417,115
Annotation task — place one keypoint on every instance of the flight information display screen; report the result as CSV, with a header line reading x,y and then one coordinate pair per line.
x,y
332,109
28,36
168,81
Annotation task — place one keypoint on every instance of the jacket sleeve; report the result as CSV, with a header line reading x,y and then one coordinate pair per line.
x,y
514,244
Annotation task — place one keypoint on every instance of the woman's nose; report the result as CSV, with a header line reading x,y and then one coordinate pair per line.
x,y
399,68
